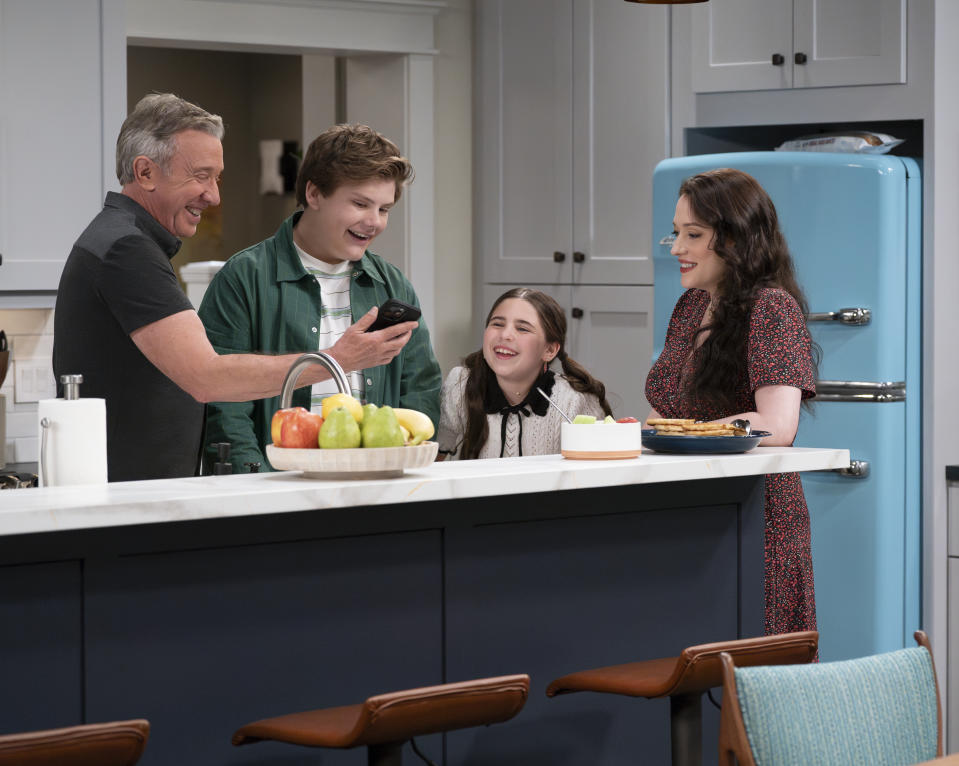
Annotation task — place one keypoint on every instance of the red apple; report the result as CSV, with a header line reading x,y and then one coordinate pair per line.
x,y
627,420
276,424
300,430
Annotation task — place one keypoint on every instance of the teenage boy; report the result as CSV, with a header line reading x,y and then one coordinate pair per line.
x,y
305,286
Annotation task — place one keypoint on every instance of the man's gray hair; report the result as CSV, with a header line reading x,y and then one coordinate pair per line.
x,y
151,130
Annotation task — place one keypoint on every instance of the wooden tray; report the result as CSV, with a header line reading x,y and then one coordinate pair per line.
x,y
589,455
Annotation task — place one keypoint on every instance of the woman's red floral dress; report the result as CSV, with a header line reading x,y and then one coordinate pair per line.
x,y
778,354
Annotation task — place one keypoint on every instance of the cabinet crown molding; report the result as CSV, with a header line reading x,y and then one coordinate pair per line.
x,y
431,7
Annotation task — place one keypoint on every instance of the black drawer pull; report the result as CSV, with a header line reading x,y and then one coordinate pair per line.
x,y
559,257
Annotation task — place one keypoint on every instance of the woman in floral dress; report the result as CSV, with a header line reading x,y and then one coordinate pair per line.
x,y
737,347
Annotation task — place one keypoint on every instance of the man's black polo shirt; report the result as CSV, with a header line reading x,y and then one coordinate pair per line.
x,y
117,279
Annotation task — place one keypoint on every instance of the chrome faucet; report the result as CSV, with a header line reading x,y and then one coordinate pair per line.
x,y
312,357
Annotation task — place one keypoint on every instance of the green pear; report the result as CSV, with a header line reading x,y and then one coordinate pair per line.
x,y
382,429
583,419
368,409
339,430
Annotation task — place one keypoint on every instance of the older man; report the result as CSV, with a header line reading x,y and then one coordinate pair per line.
x,y
124,323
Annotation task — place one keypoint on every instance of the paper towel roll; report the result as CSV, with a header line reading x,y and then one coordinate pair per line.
x,y
73,447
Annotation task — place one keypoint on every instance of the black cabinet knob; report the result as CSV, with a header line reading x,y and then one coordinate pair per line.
x,y
577,313
800,58
579,257
778,59
559,257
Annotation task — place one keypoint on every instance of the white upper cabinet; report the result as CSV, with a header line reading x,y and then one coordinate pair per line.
x,y
525,140
53,163
571,105
773,44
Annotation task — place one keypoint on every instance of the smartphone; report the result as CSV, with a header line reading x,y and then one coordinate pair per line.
x,y
393,312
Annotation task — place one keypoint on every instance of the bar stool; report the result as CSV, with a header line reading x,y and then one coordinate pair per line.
x,y
385,722
118,743
685,678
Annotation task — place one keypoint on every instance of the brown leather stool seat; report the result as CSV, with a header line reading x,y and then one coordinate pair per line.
x,y
385,722
685,678
119,743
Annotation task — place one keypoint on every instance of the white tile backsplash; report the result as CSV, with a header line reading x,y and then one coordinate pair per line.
x,y
30,336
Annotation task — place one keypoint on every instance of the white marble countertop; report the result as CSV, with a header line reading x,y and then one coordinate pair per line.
x,y
53,509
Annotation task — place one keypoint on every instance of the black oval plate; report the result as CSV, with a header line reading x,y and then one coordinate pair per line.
x,y
682,444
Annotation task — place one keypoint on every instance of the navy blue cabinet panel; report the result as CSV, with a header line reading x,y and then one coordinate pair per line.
x,y
553,596
41,669
203,641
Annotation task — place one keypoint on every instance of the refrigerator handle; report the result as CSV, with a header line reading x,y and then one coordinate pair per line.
x,y
851,316
858,469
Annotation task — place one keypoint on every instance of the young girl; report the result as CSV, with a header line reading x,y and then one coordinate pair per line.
x,y
490,406
737,347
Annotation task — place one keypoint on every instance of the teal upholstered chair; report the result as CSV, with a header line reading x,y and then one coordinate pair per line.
x,y
878,710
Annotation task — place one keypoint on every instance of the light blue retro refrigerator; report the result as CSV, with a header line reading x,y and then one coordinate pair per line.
x,y
853,224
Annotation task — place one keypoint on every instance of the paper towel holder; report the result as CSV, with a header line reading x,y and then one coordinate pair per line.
x,y
71,390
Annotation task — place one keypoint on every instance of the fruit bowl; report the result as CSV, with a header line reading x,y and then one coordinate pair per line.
x,y
601,441
360,463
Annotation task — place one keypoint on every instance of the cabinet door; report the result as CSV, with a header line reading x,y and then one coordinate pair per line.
x,y
611,335
734,42
524,140
619,107
51,155
849,42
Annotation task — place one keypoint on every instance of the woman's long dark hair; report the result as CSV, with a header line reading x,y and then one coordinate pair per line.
x,y
747,237
553,320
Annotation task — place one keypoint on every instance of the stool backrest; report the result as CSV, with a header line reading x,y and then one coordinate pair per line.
x,y
882,709
119,743
398,716
699,667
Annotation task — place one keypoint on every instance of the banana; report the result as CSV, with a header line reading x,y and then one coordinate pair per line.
x,y
417,423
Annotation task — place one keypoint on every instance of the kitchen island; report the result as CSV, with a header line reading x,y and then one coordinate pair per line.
x,y
204,603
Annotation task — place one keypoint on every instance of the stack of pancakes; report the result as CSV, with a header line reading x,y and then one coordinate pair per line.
x,y
689,427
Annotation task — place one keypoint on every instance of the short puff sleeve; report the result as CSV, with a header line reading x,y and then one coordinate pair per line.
x,y
780,348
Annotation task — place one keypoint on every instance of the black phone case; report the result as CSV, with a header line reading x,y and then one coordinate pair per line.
x,y
394,312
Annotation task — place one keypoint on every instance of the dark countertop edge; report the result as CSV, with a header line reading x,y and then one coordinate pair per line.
x,y
952,473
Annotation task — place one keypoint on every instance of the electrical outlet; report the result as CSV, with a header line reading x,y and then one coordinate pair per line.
x,y
34,380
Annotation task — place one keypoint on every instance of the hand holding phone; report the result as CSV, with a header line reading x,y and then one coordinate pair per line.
x,y
394,312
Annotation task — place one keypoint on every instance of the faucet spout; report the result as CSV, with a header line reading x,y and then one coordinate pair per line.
x,y
312,357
